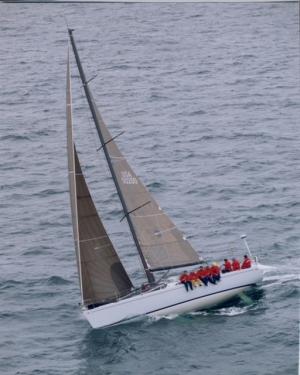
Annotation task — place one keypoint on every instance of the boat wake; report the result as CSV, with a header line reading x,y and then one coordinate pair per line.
x,y
239,306
152,319
266,268
225,311
271,281
278,276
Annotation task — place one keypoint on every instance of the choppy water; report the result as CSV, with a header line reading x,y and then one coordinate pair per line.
x,y
209,97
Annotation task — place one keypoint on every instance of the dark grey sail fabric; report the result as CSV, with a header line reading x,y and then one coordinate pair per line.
x,y
102,276
162,244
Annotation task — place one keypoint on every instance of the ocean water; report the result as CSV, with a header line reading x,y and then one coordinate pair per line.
x,y
208,96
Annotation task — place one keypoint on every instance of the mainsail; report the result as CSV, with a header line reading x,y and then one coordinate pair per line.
x,y
101,274
160,243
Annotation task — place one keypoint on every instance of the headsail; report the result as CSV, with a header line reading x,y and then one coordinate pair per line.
x,y
101,274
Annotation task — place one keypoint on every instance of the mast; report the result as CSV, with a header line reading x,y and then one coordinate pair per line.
x,y
89,97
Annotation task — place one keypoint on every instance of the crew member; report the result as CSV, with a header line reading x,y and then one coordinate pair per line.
x,y
185,280
201,274
193,277
215,272
235,264
247,262
226,266
208,275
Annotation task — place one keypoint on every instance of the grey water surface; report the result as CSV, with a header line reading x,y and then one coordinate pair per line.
x,y
208,96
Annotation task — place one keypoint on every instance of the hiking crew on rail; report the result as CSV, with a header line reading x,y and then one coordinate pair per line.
x,y
211,274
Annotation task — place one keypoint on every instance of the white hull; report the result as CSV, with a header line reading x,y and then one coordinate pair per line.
x,y
173,299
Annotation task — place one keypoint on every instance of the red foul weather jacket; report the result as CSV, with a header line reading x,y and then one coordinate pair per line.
x,y
246,263
227,266
236,265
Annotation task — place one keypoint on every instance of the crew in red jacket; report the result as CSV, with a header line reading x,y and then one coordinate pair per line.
x,y
235,264
247,262
185,280
202,275
226,266
208,275
215,272
193,277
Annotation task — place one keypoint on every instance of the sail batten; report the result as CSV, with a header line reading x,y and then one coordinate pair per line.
x,y
101,274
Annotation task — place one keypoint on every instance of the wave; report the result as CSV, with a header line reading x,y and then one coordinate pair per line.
x,y
41,133
167,317
13,137
197,113
57,280
45,193
282,278
234,136
37,251
30,283
274,280
242,304
153,186
225,311
9,284
232,311
196,16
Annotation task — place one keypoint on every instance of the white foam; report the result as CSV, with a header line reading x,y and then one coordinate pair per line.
x,y
232,311
271,281
157,318
266,268
282,278
204,313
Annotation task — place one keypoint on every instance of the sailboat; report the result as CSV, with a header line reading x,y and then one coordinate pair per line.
x,y
108,296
